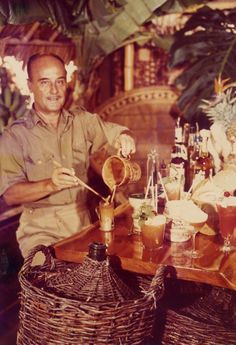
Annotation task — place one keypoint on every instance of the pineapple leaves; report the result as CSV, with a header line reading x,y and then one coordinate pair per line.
x,y
205,48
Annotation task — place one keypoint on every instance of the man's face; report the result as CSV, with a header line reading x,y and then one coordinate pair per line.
x,y
48,84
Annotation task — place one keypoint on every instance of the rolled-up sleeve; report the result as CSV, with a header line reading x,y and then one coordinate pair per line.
x,y
11,161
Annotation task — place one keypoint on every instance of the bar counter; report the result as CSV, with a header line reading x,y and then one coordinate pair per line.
x,y
213,267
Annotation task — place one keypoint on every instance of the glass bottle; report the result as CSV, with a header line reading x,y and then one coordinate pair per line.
x,y
204,166
186,133
191,141
178,155
190,149
194,156
178,139
97,251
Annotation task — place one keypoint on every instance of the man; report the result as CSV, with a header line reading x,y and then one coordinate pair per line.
x,y
43,153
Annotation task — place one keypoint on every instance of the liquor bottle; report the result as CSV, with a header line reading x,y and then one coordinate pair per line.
x,y
204,166
190,149
178,138
194,154
191,141
186,133
178,155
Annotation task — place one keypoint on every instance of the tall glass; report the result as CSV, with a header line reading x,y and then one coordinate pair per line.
x,y
226,209
152,233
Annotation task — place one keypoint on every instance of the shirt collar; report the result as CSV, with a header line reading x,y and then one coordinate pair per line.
x,y
33,119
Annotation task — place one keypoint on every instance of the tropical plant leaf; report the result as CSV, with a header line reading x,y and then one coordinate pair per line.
x,y
175,6
26,11
206,48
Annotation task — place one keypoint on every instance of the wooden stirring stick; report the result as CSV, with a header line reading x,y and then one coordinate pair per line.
x,y
82,183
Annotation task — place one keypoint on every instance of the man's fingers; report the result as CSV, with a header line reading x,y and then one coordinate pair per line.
x,y
127,144
63,177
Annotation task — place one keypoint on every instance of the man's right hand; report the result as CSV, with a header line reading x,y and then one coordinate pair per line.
x,y
63,177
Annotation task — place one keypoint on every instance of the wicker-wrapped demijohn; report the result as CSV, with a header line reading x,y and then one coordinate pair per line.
x,y
93,303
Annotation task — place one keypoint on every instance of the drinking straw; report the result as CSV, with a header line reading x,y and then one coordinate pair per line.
x,y
194,183
162,184
156,198
148,186
152,191
189,191
113,193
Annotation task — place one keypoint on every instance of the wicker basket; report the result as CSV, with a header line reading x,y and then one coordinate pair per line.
x,y
88,304
185,330
208,317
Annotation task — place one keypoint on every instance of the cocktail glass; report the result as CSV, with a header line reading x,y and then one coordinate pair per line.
x,y
226,209
194,253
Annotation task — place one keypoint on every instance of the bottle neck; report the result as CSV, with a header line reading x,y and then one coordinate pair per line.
x,y
204,148
178,135
191,139
186,134
97,251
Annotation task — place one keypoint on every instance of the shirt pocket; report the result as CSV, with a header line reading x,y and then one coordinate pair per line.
x,y
80,157
39,166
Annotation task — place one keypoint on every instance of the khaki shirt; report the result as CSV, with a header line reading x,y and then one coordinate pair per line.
x,y
28,147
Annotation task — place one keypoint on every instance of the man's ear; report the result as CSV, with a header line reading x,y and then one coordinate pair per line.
x,y
29,83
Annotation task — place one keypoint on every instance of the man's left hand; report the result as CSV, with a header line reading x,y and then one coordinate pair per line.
x,y
126,144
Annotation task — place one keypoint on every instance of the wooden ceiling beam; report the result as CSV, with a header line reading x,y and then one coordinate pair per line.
x,y
31,32
36,42
53,36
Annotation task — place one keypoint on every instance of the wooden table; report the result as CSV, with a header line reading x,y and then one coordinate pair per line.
x,y
212,268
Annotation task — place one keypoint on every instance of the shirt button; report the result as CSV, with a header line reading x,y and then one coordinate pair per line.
x,y
31,210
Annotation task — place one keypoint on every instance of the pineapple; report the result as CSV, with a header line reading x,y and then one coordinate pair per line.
x,y
221,110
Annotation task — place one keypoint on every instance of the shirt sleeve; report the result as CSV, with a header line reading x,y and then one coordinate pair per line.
x,y
101,132
11,161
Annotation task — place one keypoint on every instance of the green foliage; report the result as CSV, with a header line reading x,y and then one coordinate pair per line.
x,y
98,27
145,212
103,24
205,48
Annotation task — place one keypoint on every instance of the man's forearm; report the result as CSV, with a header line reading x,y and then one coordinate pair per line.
x,y
24,192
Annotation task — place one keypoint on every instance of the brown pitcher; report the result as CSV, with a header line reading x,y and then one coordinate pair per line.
x,y
118,171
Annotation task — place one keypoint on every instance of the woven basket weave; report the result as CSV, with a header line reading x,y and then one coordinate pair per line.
x,y
207,319
185,330
89,304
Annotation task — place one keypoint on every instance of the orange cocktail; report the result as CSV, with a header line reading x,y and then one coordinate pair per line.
x,y
226,209
152,232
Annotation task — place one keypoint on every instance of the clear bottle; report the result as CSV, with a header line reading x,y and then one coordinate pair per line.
x,y
178,139
178,155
